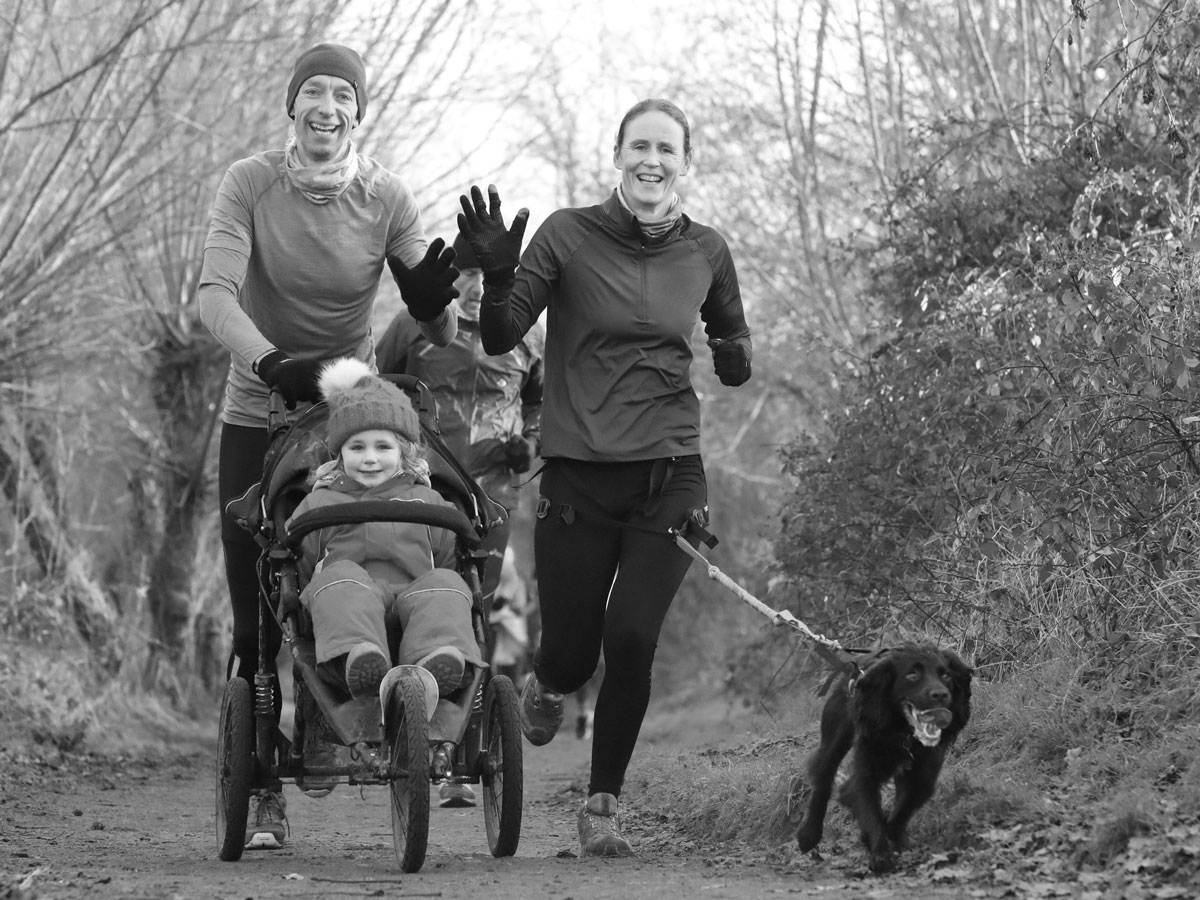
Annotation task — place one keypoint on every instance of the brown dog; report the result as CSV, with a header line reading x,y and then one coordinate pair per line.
x,y
897,719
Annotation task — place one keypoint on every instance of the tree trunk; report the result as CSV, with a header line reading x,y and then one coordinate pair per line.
x,y
57,556
188,379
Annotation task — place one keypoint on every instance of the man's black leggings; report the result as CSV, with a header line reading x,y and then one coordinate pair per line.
x,y
240,465
602,526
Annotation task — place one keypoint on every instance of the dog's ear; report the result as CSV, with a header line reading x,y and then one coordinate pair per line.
x,y
872,695
960,675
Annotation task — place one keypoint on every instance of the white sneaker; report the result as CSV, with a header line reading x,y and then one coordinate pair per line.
x,y
456,796
266,821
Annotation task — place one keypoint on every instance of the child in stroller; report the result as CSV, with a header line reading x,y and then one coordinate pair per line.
x,y
368,557
358,574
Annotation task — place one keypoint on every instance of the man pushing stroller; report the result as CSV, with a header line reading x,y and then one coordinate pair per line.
x,y
358,574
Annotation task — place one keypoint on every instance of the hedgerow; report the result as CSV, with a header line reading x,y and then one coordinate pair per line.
x,y
1013,462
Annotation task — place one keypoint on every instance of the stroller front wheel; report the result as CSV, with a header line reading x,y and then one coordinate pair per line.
x,y
406,729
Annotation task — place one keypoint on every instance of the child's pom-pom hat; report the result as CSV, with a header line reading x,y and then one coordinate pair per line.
x,y
360,400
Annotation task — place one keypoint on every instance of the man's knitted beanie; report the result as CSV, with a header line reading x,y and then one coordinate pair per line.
x,y
464,256
359,400
329,59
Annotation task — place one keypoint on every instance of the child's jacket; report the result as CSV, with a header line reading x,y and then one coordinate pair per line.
x,y
393,553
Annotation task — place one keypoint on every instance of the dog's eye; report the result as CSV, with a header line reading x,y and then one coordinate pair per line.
x,y
914,675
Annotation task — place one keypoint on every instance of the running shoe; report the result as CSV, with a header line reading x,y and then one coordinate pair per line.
x,y
456,796
600,828
541,713
266,823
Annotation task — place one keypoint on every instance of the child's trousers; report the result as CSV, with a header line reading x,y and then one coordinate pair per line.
x,y
348,607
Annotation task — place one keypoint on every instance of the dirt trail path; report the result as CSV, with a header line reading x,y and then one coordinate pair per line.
x,y
145,830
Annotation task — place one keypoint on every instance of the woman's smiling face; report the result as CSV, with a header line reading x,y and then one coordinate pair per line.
x,y
326,111
651,156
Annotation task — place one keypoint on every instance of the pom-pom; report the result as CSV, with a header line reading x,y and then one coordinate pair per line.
x,y
342,375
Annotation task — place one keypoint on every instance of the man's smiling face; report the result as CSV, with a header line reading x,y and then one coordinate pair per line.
x,y
326,111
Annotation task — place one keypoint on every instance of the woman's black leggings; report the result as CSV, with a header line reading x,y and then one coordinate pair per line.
x,y
603,526
240,465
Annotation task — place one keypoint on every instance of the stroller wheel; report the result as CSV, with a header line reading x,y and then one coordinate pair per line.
x,y
406,730
235,768
503,771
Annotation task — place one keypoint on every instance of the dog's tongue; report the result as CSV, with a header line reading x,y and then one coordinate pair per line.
x,y
927,724
939,718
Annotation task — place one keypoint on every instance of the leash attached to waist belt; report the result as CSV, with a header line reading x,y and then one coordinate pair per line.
x,y
828,649
696,525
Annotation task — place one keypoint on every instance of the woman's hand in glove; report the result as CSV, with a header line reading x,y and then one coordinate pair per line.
x,y
497,248
731,361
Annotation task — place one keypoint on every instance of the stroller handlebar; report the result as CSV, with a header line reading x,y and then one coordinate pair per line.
x,y
362,511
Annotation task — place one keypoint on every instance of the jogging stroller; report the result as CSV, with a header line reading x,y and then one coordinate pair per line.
x,y
472,737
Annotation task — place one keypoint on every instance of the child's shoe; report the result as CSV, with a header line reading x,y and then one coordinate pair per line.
x,y
366,665
541,713
447,665
600,828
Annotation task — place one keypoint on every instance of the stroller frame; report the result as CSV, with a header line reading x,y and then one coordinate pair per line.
x,y
472,737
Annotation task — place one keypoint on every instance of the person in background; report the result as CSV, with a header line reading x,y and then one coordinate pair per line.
x,y
623,285
510,632
489,407
297,243
585,701
489,412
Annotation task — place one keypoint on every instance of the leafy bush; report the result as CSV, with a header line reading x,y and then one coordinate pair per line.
x,y
1015,463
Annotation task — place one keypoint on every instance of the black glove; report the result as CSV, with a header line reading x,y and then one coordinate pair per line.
x,y
519,453
497,248
428,287
295,379
731,361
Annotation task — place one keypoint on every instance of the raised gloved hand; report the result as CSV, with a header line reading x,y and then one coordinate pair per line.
x,y
428,287
497,248
295,379
519,453
731,361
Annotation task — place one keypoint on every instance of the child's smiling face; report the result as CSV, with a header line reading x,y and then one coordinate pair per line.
x,y
371,457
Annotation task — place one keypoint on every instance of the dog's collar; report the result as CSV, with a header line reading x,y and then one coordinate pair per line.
x,y
876,657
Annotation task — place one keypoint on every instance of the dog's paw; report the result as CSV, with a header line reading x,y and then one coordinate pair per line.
x,y
882,861
808,836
